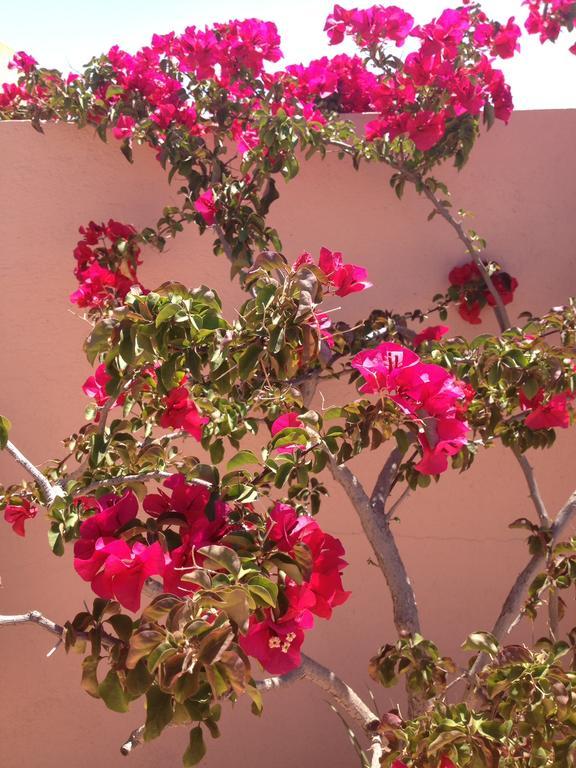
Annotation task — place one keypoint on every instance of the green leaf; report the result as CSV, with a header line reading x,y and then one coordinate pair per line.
x,y
249,359
196,748
218,556
112,693
241,459
89,677
159,712
5,426
138,680
122,626
167,311
264,589
56,542
482,641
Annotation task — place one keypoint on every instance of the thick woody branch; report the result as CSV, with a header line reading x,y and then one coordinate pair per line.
x,y
385,482
377,530
140,478
47,491
344,697
535,495
512,607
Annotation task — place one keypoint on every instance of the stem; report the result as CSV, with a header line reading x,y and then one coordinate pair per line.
x,y
143,477
510,612
35,617
535,495
47,491
135,738
456,224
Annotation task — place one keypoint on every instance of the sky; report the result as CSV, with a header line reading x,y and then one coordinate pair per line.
x,y
65,34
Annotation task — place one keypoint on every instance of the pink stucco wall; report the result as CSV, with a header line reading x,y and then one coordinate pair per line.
x,y
521,185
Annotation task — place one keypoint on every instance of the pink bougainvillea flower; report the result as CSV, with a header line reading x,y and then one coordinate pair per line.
x,y
546,415
181,413
330,261
431,333
286,421
125,569
426,129
302,260
346,278
322,322
276,644
377,364
470,311
206,207
113,513
350,279
124,127
505,284
189,501
23,62
323,590
17,514
95,386
450,437
505,40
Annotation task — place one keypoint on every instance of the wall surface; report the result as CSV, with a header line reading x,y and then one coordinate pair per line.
x,y
520,184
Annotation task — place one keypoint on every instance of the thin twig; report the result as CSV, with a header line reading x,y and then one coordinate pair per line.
x,y
394,508
47,490
456,224
139,478
377,752
35,617
511,612
535,494
135,738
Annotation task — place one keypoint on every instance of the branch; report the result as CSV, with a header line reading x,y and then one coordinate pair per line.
x,y
340,693
394,508
142,477
385,482
377,752
35,617
444,212
377,530
535,495
135,738
47,491
226,247
511,610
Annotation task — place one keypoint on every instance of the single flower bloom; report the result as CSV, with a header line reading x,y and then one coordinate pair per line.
x,y
431,333
206,207
124,127
377,365
17,514
276,644
287,421
550,415
181,413
95,386
350,278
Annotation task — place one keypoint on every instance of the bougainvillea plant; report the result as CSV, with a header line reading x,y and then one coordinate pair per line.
x,y
207,559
